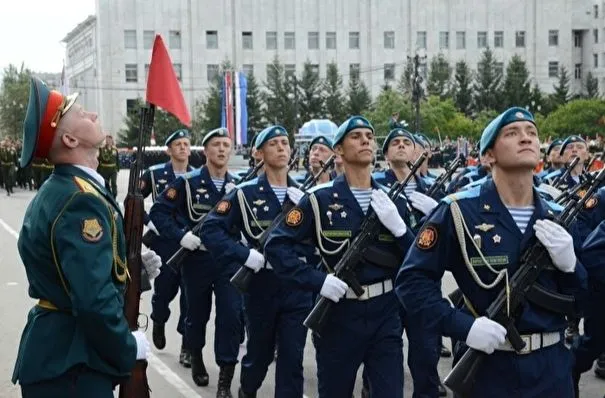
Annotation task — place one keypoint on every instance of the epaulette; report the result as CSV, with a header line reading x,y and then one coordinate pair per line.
x,y
248,183
316,188
192,173
156,167
554,206
379,174
467,194
85,186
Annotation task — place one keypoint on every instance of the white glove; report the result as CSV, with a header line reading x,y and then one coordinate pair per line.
x,y
559,244
422,202
294,194
142,344
485,335
255,261
229,187
190,241
152,263
387,213
333,288
152,227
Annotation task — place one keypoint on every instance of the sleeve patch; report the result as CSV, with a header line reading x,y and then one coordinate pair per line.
x,y
591,203
92,231
294,217
427,238
223,207
171,194
141,185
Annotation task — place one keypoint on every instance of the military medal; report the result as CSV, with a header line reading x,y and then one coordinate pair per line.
x,y
484,227
497,238
329,214
343,214
477,240
266,208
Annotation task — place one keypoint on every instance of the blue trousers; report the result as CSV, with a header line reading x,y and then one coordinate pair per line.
x,y
202,277
275,315
361,332
79,382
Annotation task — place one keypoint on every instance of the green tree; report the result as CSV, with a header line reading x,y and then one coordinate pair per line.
x,y
386,103
13,100
591,86
536,99
164,124
516,90
359,100
405,84
279,107
462,91
487,83
440,73
254,102
586,116
561,94
207,116
334,98
310,103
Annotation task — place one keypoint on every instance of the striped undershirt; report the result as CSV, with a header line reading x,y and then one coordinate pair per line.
x,y
363,197
178,174
521,215
218,183
409,188
280,192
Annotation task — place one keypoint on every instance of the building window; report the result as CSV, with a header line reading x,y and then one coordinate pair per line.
x,y
444,40
354,70
271,40
289,70
178,70
596,11
499,68
148,38
520,38
389,39
421,39
247,41
460,40
313,40
315,69
131,106
212,73
498,39
174,39
595,60
595,35
248,69
353,40
578,72
481,39
577,39
211,39
289,40
131,73
331,40
553,38
553,69
389,71
146,72
130,39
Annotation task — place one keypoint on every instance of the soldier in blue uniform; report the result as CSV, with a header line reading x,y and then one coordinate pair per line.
x,y
424,145
77,342
166,286
178,209
274,311
475,174
573,146
553,160
360,330
496,222
320,150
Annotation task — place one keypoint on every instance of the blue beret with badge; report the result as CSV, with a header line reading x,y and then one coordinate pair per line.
x,y
569,140
320,139
398,132
219,132
352,123
511,115
422,140
269,133
553,144
181,133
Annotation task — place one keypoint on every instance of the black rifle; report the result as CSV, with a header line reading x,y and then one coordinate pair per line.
x,y
587,181
533,261
175,261
348,263
566,173
444,177
243,276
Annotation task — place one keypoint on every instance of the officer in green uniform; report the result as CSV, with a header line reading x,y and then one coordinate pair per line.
x,y
7,165
36,167
109,165
76,342
46,170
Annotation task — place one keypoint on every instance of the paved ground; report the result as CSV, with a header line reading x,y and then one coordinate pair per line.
x,y
167,378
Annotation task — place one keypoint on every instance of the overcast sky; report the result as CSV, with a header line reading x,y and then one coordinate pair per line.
x,y
31,31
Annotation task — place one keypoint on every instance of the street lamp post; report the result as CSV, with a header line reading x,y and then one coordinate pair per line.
x,y
416,88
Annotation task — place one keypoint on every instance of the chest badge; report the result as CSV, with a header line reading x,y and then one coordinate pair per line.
x,y
259,202
343,214
484,227
294,217
486,207
266,208
329,215
497,239
206,196
162,181
335,206
171,194
201,190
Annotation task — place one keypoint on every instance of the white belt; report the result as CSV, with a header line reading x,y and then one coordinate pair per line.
x,y
373,290
533,342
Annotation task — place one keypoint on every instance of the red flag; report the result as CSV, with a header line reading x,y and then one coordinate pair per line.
x,y
163,87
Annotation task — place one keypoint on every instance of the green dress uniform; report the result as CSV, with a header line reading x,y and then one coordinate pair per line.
x,y
109,165
46,170
7,164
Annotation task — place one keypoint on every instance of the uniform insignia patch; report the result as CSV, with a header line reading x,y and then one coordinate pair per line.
x,y
92,231
162,181
590,203
519,115
484,227
294,217
427,238
223,207
581,193
258,202
335,206
171,194
497,238
201,190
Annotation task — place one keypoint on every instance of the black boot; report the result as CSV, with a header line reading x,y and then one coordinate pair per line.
x,y
599,369
224,381
185,357
159,336
198,369
242,394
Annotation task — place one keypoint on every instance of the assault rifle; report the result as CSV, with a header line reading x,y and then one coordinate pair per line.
x,y
533,261
241,279
348,263
444,177
562,177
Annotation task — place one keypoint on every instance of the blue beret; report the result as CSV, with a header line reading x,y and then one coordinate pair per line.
x,y
422,140
45,109
399,132
268,133
354,122
320,139
219,132
569,140
552,145
182,133
511,115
